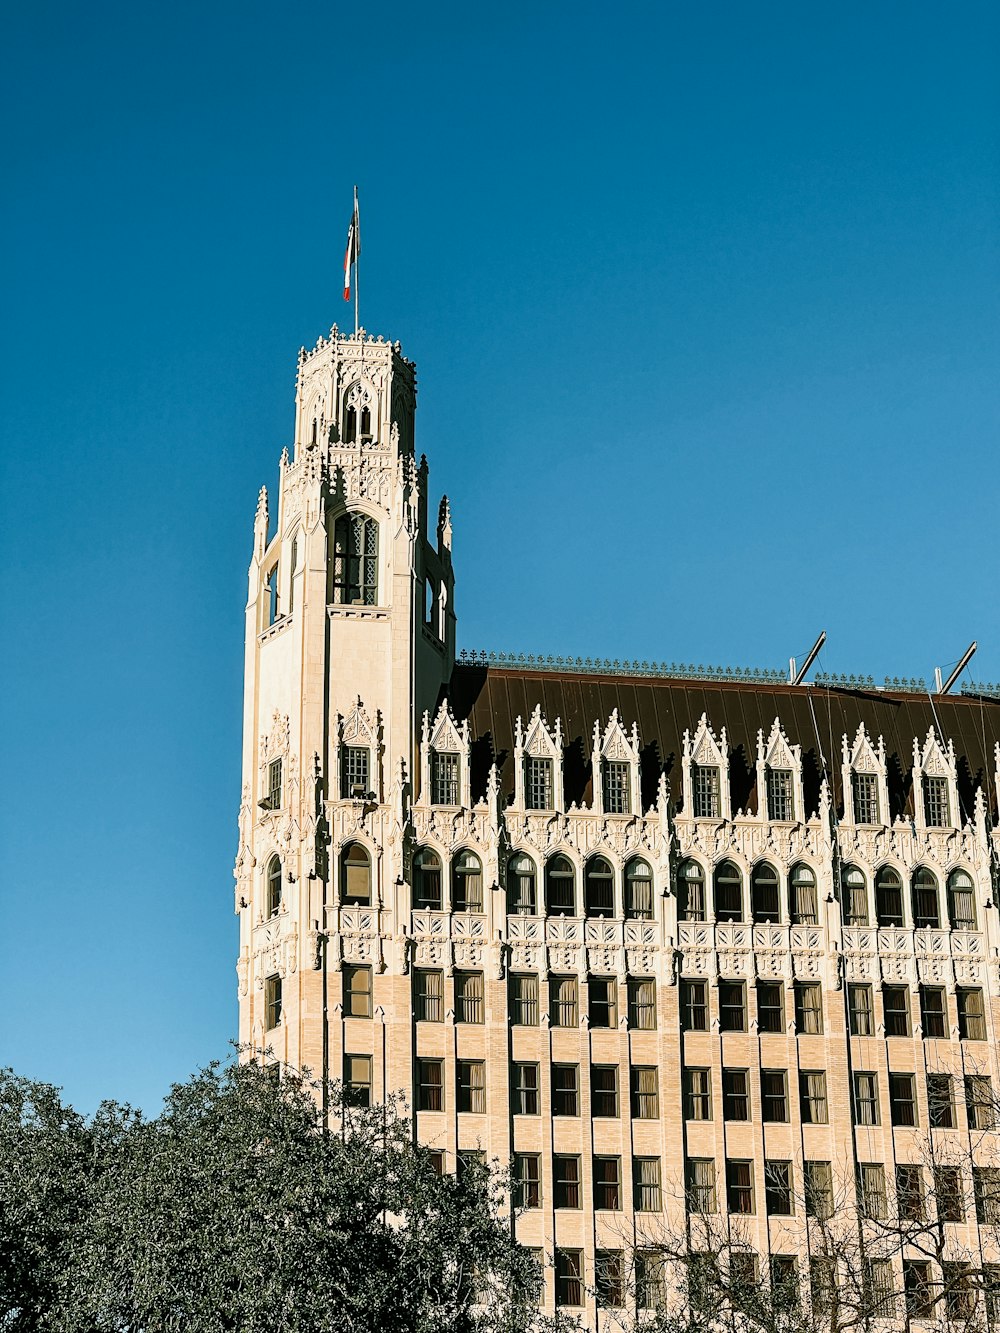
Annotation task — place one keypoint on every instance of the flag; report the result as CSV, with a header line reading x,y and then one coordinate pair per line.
x,y
353,247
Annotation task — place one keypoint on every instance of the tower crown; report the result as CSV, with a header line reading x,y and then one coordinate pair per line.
x,y
355,392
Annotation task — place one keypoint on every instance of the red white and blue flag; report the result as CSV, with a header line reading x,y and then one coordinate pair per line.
x,y
353,247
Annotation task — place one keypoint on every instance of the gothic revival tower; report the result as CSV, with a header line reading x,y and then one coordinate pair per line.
x,y
350,635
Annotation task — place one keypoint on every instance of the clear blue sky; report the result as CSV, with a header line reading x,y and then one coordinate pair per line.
x,y
704,300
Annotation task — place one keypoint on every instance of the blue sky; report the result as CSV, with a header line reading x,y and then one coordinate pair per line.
x,y
704,304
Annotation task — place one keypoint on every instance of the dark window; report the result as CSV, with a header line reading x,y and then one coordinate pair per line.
x,y
357,991
888,897
902,1099
879,1285
936,812
470,1005
274,788
272,1002
864,789
273,887
764,893
521,885
697,1094
732,1006
770,1006
986,1188
812,1097
356,875
427,881
701,1185
774,1095
690,891
971,1016
645,1092
694,1006
430,1085
778,1188
705,792
949,1194
617,788
808,1007
917,1289
466,883
896,1010
784,1271
565,1089
961,901
735,1094
607,1184
818,1186
638,891
569,1274
646,1184
780,795
739,1186
979,1101
991,1288
609,1266
866,1099
802,894
604,1090
564,1006
960,1288
599,887
728,892
642,1004
538,784
355,560
940,1101
566,1180
603,1002
358,1080
524,999
871,1190
527,1180
933,1011
560,891
859,1000
854,896
271,584
524,1088
926,909
428,994
444,778
910,1192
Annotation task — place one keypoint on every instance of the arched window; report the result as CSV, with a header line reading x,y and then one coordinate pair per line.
x,y
427,881
764,893
350,425
466,883
854,896
690,891
273,887
803,906
599,887
638,890
355,560
521,897
961,901
728,892
888,897
560,887
366,424
355,874
926,908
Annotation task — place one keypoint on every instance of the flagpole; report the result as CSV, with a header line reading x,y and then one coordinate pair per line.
x,y
357,260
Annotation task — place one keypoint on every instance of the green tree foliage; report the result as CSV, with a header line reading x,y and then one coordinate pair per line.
x,y
233,1209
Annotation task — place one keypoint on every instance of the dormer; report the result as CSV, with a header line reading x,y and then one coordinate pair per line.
x,y
705,774
935,784
444,760
538,764
780,796
615,760
865,779
357,756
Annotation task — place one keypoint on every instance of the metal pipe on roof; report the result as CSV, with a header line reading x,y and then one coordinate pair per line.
x,y
811,658
960,668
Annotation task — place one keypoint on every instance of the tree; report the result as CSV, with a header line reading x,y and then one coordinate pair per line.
x,y
237,1209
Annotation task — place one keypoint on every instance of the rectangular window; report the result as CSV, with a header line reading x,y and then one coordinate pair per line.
x,y
524,999
949,1194
739,1186
896,1010
564,1006
569,1277
694,1006
705,791
808,1007
538,784
444,779
880,1288
780,798
778,1189
272,1002
910,1192
642,1004
859,1001
785,1280
902,1099
854,897
701,1185
936,814
428,988
603,1005
770,1006
469,1001
467,883
358,1080
822,1283
607,1184
735,1094
524,1088
274,785
645,1092
697,1094
991,1289
430,1085
871,1190
917,1289
802,891
940,1101
960,1288
566,1180
961,901
864,787
354,780
527,1180
609,1267
933,1011
732,1006
646,1181
565,1089
986,1188
971,1015
979,1101
812,1097
604,1091
866,1099
357,991
650,1280
818,1183
774,1096
472,1086
617,788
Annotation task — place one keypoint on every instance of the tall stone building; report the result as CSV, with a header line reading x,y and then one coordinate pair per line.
x,y
635,929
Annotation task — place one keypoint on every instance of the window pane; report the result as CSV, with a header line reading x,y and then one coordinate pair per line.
x,y
524,999
538,783
563,1002
444,779
639,891
469,1001
617,788
645,1092
705,792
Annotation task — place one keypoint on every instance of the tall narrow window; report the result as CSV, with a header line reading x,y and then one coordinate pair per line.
x,y
770,1006
812,1097
697,1094
650,1279
888,897
609,1267
524,1088
902,1099
538,783
560,886
774,1096
732,1006
524,999
564,1007
527,1180
896,1010
355,778
940,1101
273,887
603,1002
599,887
357,991
355,874
521,885
933,1013
617,788
566,1180
735,1094
818,1181
778,1188
565,1089
366,424
645,1092
569,1274
860,1010
471,1086
470,1005
350,425
866,1098
273,800
427,881
355,560
466,883
444,779
430,1085
607,1183
871,1190
694,1005
918,1289
428,994
700,1182
358,1080
690,891
986,1188
764,893
780,795
926,908
854,896
728,892
802,892
705,791
293,565
980,1103
739,1186
604,1091
971,1014
646,1177
961,901
272,1002
864,790
936,812
272,595
638,890
642,1004
910,1191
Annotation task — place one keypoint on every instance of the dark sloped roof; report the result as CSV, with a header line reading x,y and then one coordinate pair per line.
x,y
815,717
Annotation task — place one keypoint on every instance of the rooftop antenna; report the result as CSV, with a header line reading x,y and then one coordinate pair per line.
x,y
796,677
963,663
